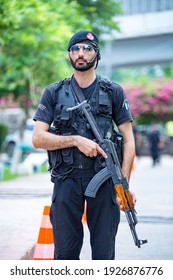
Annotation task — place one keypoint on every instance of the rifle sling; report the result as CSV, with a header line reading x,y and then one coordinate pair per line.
x,y
80,96
77,90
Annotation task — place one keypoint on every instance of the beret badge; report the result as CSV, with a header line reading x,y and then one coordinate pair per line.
x,y
90,36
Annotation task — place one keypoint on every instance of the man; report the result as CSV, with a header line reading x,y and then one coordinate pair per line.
x,y
154,141
76,152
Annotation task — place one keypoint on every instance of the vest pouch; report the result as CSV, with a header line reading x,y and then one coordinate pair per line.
x,y
54,159
105,105
104,110
63,118
67,154
54,156
60,162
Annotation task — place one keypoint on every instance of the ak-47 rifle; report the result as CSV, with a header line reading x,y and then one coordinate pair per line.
x,y
112,170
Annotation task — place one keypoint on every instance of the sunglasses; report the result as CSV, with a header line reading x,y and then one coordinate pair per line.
x,y
86,49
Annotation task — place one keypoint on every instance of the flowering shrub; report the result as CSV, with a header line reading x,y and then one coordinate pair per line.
x,y
151,101
9,102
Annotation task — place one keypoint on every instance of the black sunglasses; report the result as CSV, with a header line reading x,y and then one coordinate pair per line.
x,y
86,48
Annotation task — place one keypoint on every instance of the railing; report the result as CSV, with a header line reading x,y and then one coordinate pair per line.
x,y
145,6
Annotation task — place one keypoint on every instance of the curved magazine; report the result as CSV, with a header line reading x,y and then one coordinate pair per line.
x,y
97,181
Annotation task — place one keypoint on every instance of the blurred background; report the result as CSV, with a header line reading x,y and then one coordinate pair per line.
x,y
136,51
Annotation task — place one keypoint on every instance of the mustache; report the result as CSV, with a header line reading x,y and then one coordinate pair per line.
x,y
79,58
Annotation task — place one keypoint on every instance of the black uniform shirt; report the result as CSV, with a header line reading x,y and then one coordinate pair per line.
x,y
120,114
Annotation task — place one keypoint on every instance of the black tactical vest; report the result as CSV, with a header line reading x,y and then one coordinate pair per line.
x,y
62,162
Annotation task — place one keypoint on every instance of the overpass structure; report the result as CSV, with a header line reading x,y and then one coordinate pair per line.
x,y
146,36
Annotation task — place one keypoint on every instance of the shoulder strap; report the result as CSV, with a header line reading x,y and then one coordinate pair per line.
x,y
105,84
65,81
77,90
87,112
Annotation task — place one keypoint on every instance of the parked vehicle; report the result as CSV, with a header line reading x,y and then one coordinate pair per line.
x,y
11,140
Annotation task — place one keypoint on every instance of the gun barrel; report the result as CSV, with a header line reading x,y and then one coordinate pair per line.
x,y
132,221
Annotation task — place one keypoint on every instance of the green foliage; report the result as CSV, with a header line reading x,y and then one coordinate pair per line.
x,y
7,175
3,133
101,14
168,70
34,37
32,43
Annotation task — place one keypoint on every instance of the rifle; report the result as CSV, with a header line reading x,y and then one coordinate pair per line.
x,y
112,170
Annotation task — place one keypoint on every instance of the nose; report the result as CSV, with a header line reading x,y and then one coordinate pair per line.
x,y
81,51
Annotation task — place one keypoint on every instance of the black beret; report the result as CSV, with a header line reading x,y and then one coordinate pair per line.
x,y
85,37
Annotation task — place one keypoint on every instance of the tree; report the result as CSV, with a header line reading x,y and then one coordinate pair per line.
x,y
33,38
34,35
101,14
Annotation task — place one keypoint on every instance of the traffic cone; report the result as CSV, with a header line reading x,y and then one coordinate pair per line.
x,y
44,249
84,217
133,165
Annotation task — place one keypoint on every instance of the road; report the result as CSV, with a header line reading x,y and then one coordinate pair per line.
x,y
22,202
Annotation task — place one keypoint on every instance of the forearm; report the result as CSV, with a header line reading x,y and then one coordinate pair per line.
x,y
128,158
129,149
49,141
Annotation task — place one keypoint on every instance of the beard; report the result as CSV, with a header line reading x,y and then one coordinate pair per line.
x,y
82,67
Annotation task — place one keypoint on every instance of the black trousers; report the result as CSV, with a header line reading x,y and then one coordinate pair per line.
x,y
103,217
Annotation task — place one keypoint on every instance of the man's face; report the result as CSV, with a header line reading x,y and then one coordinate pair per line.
x,y
82,57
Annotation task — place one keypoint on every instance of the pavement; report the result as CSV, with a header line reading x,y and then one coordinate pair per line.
x,y
22,202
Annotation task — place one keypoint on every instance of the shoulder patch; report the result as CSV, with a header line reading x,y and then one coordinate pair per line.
x,y
41,107
126,104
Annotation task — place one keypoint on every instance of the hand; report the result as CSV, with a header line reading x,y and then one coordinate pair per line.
x,y
134,200
133,197
89,147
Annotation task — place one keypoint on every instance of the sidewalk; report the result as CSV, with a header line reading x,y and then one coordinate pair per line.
x,y
22,202
21,207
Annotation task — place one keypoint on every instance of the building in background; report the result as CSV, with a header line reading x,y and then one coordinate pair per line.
x,y
146,37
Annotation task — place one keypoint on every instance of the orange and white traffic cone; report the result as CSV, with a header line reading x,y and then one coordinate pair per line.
x,y
84,217
134,164
44,249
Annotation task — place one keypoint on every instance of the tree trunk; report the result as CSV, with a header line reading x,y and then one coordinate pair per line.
x,y
17,155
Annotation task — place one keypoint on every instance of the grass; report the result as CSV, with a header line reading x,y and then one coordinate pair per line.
x,y
7,175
